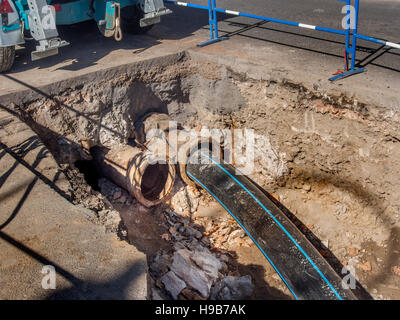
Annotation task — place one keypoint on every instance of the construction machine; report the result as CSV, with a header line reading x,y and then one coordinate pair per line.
x,y
37,20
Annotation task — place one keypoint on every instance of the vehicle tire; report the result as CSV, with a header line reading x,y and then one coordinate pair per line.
x,y
7,56
130,20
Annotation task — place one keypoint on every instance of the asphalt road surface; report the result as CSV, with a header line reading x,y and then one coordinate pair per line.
x,y
377,18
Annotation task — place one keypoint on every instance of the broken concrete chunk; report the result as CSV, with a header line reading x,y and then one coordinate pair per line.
x,y
183,267
192,232
156,295
110,219
117,195
208,263
232,288
190,294
158,269
173,284
237,233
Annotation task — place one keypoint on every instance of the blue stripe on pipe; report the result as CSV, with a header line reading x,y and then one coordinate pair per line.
x,y
279,224
222,204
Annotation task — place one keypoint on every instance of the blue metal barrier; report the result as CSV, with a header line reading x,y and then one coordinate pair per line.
x,y
350,46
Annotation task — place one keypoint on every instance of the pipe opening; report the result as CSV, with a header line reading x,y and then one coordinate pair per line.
x,y
154,181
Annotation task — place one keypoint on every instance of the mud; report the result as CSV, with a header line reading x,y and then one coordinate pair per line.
x,y
331,160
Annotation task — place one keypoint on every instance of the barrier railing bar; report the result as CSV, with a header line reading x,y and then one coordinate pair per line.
x,y
290,23
185,4
270,28
380,41
359,48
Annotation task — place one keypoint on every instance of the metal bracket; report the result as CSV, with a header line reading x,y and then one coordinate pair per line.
x,y
153,10
47,48
206,43
347,74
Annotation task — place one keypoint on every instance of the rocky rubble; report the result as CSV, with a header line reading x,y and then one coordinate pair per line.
x,y
221,232
194,272
232,288
224,232
185,200
102,210
193,269
114,193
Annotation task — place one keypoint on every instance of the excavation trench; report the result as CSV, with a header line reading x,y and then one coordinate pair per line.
x,y
332,161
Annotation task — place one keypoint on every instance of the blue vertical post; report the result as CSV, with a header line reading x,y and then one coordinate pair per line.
x,y
354,41
210,19
213,21
353,48
348,22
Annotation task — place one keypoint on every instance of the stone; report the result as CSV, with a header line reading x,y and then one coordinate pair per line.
x,y
190,294
225,231
183,267
110,219
205,241
237,234
121,199
275,196
156,295
366,266
396,270
192,232
178,246
173,230
208,263
352,252
159,266
232,288
117,195
173,284
166,237
158,269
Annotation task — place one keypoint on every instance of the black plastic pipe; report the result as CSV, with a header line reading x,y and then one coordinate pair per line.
x,y
302,268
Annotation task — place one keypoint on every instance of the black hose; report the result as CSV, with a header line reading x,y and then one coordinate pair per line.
x,y
304,271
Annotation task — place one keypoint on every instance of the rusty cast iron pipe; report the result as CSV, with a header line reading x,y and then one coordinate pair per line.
x,y
132,169
147,133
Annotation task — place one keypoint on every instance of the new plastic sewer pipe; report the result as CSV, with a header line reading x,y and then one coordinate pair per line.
x,y
304,271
